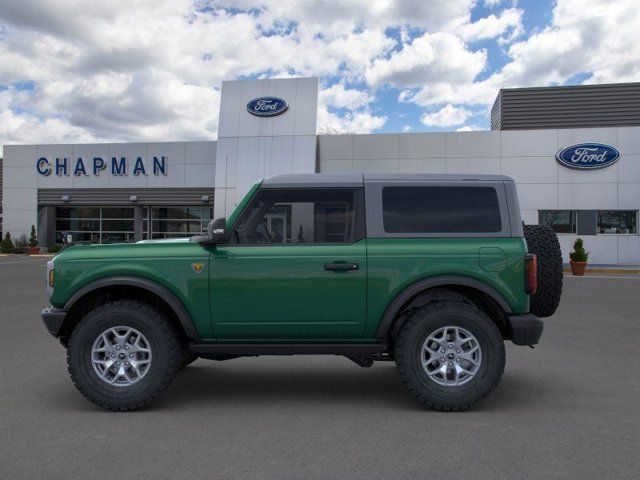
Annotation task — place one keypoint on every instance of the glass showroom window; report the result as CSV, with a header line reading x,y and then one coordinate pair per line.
x,y
618,222
562,221
172,222
94,224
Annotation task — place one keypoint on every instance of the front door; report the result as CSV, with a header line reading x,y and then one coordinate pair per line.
x,y
294,269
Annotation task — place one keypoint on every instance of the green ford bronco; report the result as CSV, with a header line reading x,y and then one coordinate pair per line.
x,y
433,272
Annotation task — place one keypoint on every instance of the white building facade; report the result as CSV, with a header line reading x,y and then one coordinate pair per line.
x,y
128,192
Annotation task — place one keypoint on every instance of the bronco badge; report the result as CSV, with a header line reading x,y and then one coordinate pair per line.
x,y
197,267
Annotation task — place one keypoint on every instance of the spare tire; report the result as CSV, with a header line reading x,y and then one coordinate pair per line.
x,y
543,242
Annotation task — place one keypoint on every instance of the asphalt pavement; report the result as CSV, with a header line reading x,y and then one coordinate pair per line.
x,y
567,409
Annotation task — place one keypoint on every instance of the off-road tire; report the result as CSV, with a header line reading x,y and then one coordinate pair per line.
x,y
424,321
543,241
165,347
188,357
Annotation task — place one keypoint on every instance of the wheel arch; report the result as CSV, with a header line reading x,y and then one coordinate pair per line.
x,y
488,297
136,288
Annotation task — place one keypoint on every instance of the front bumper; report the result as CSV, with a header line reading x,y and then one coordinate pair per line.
x,y
53,319
525,329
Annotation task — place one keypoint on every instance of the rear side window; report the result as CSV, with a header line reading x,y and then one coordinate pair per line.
x,y
441,209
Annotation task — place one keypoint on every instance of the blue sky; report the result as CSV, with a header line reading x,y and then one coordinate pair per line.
x,y
77,71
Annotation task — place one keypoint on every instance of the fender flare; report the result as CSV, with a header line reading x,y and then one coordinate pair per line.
x,y
164,293
415,288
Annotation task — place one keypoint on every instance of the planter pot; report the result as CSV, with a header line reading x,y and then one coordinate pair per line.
x,y
34,250
578,268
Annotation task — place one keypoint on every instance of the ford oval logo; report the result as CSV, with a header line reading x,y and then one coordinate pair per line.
x,y
267,106
588,156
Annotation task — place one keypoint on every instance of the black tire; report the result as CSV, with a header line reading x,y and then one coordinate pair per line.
x,y
408,354
543,241
163,340
188,357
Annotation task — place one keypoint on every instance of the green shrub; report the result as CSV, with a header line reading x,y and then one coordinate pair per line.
x,y
579,254
7,245
33,238
21,244
54,248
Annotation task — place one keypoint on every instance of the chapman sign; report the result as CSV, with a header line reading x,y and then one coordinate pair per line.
x,y
267,106
116,166
588,156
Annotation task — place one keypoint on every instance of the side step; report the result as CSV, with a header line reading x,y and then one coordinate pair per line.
x,y
349,349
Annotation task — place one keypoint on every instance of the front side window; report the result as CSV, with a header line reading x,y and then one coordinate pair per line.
x,y
312,216
441,210
561,221
617,221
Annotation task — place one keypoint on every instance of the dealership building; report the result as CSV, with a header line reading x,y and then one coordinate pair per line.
x,y
574,153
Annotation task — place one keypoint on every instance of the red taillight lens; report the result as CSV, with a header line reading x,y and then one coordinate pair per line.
x,y
530,274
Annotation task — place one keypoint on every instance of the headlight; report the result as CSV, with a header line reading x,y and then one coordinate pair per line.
x,y
50,278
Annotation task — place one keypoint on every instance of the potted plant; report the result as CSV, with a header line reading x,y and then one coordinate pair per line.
x,y
578,258
33,242
21,245
55,248
7,244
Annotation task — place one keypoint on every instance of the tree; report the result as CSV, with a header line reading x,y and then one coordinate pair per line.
x,y
331,129
7,244
33,238
579,254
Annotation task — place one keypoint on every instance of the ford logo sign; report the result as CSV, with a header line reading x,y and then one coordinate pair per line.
x,y
267,106
588,156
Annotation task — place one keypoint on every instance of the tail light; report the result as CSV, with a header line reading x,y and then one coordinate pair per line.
x,y
530,274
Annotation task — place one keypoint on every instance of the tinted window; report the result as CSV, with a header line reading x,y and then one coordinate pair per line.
x,y
617,221
298,216
562,221
440,210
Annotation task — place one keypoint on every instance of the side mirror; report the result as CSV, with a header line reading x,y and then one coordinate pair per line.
x,y
216,233
217,230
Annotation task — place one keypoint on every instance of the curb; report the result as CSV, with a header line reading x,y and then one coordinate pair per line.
x,y
26,255
608,271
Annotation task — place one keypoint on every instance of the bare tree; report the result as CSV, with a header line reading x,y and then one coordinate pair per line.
x,y
331,129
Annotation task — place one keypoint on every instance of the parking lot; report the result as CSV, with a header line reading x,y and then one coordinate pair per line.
x,y
567,409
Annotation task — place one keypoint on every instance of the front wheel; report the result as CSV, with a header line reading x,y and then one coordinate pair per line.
x,y
450,355
122,355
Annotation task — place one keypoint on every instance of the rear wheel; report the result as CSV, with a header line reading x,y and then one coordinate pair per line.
x,y
122,355
543,242
450,355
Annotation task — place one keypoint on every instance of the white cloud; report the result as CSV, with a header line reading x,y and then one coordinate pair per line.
x,y
583,37
433,57
357,119
151,69
351,122
468,128
339,96
447,116
509,20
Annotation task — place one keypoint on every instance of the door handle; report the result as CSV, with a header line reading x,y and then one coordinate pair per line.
x,y
341,266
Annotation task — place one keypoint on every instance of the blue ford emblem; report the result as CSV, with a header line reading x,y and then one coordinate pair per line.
x,y
267,106
588,156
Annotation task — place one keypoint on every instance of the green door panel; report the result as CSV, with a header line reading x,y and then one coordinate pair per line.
x,y
283,292
168,263
396,263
